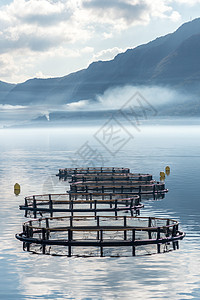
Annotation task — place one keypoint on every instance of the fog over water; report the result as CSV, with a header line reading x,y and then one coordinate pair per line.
x,y
163,100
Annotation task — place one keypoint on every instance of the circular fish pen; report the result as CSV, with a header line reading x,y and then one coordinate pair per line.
x,y
100,236
67,172
111,177
113,182
134,187
81,225
80,203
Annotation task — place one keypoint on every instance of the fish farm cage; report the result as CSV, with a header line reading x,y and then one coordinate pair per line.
x,y
111,177
113,182
81,203
134,187
98,216
67,172
100,235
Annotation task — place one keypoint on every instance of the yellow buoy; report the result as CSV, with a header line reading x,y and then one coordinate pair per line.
x,y
17,189
162,174
167,170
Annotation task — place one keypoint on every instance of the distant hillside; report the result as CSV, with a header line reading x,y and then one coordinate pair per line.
x,y
172,60
5,88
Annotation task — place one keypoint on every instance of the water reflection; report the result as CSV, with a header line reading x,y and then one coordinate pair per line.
x,y
31,158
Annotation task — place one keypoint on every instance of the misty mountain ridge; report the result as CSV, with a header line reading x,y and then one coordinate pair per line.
x,y
172,61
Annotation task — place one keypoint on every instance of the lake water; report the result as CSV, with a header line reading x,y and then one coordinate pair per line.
x,y
32,157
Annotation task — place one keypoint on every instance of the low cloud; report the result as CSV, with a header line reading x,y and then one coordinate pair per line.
x,y
76,105
11,107
158,97
107,54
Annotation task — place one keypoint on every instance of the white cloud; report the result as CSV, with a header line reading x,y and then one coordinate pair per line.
x,y
7,65
76,105
175,16
87,50
11,107
39,74
40,25
107,35
189,3
33,31
122,14
156,96
107,54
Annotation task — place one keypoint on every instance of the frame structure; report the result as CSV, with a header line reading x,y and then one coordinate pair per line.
x,y
100,235
92,217
111,177
71,203
67,172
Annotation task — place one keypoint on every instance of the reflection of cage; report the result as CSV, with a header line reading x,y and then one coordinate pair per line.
x,y
111,177
100,235
67,172
83,202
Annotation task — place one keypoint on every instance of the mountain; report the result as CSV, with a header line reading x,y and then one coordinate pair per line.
x,y
5,88
172,60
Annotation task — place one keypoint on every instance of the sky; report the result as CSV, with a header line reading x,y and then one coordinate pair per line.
x,y
52,38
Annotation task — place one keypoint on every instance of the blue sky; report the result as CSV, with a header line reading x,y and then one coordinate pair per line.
x,y
49,38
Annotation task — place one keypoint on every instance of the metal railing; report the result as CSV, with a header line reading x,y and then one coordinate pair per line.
x,y
97,170
79,203
99,232
111,177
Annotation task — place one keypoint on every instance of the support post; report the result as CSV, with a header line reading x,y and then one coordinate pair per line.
x,y
140,189
125,232
158,237
43,239
101,240
34,207
69,240
47,228
149,225
98,227
50,206
110,201
168,230
133,241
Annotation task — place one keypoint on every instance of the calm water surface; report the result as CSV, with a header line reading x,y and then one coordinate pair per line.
x,y
33,157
